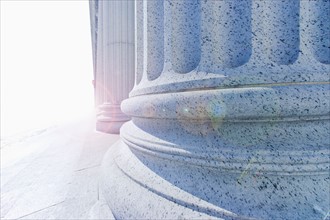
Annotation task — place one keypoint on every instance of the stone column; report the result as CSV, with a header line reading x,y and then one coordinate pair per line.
x,y
230,113
94,13
113,49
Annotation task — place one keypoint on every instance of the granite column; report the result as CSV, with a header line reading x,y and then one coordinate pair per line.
x,y
230,113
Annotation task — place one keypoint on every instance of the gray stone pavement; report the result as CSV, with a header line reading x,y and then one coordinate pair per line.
x,y
53,173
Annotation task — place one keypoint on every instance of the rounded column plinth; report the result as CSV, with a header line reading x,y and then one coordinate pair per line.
x,y
110,119
198,155
110,127
140,188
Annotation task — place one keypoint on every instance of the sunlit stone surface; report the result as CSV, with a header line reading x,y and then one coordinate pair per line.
x,y
230,113
113,50
53,173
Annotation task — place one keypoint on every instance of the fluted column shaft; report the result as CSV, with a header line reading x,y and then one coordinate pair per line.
x,y
113,46
230,112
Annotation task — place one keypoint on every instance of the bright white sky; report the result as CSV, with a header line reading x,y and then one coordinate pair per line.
x,y
46,63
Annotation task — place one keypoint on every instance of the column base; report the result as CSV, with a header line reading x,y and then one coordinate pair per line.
x,y
141,183
110,118
199,155
110,127
133,191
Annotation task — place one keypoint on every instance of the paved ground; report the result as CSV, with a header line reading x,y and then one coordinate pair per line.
x,y
53,173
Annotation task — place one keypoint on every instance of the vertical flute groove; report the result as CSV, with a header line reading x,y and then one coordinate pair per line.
x,y
120,47
185,35
226,34
115,61
99,77
281,30
139,59
318,29
155,38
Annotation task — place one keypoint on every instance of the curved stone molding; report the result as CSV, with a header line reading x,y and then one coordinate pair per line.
x,y
262,102
233,120
172,188
143,185
271,119
254,152
114,69
110,118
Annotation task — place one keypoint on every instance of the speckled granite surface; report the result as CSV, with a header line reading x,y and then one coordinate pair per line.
x,y
230,113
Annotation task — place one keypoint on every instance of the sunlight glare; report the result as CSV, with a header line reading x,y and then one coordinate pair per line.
x,y
46,63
